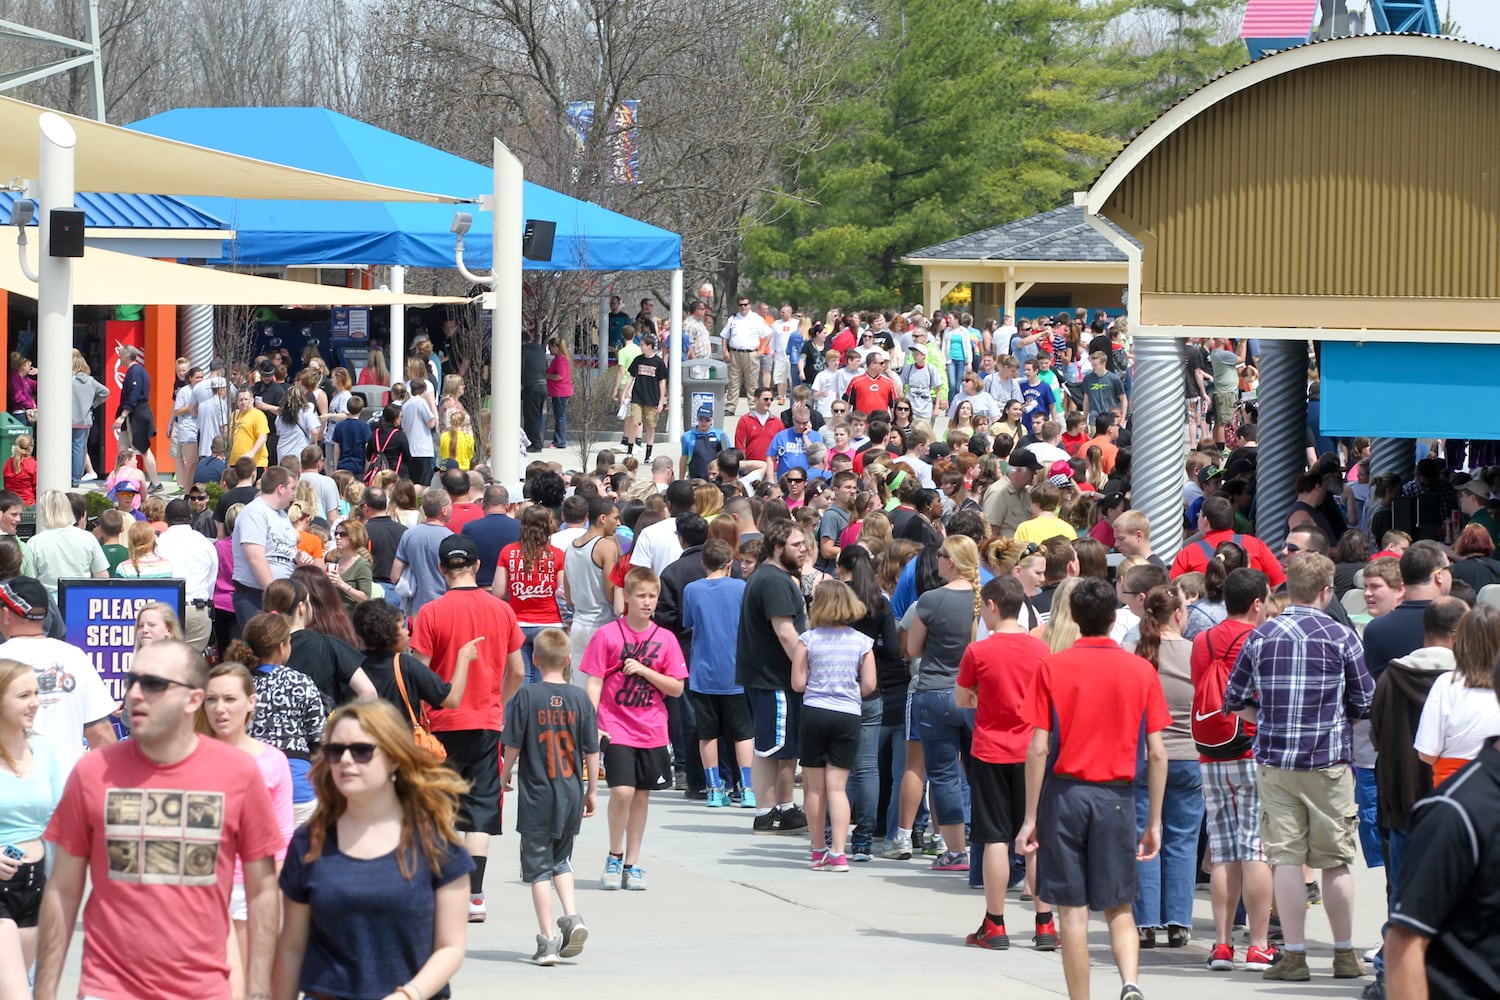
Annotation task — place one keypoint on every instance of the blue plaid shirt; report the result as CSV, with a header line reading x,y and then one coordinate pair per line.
x,y
1306,674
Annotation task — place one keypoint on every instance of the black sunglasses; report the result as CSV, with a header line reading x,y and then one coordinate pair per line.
x,y
361,752
150,683
341,534
791,480
1031,549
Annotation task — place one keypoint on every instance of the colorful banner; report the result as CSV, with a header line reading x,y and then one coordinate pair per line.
x,y
131,333
100,617
624,153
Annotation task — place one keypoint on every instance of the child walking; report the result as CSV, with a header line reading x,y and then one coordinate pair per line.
x,y
711,608
551,731
633,665
834,668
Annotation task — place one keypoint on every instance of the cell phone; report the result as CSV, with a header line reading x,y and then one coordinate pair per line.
x,y
13,852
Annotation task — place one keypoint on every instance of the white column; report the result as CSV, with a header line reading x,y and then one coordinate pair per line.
x,y
505,350
396,360
54,306
200,335
674,365
1159,441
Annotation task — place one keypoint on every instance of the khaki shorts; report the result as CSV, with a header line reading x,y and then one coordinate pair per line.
x,y
1223,408
644,415
1308,817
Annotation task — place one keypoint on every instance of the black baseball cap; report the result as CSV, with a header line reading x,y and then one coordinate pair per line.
x,y
457,552
1022,458
25,597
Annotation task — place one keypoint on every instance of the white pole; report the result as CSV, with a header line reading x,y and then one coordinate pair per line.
x,y
54,306
200,335
674,366
505,349
397,359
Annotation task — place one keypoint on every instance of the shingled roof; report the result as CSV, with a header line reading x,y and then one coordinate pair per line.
x,y
1058,235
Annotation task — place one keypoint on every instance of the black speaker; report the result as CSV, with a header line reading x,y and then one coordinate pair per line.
x,y
536,244
65,237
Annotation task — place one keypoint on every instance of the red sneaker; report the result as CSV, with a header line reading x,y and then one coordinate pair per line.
x,y
990,935
1222,958
1045,938
1260,959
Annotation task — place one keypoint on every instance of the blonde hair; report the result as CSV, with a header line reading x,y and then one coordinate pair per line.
x,y
1061,631
174,625
21,449
708,500
9,671
141,541
964,555
551,651
834,604
80,363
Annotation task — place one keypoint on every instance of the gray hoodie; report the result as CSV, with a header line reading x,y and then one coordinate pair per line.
x,y
88,392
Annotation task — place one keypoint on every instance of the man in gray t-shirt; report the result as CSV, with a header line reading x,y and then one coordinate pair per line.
x,y
417,554
265,542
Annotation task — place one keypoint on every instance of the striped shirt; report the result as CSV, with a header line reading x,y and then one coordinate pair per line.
x,y
833,658
1306,674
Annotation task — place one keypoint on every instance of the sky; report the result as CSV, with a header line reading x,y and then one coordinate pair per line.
x,y
1479,20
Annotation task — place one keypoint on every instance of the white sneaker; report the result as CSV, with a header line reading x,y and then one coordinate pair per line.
x,y
898,848
477,910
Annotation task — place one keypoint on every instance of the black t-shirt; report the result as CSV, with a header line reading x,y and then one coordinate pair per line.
x,y
328,661
1449,891
760,660
422,685
812,359
553,726
1394,635
648,374
1195,359
227,499
385,534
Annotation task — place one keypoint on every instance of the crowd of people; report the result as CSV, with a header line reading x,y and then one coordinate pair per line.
x,y
959,643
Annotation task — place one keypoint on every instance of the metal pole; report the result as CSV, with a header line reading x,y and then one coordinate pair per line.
x,y
674,366
1158,438
96,68
1398,455
200,335
54,306
1282,455
397,359
505,350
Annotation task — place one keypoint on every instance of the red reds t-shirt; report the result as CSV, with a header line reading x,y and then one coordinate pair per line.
x,y
1002,667
441,629
1094,698
870,394
533,588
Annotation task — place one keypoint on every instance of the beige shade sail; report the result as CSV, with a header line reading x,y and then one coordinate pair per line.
x,y
105,278
117,160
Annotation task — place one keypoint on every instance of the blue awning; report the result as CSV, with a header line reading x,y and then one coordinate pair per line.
x,y
288,233
129,211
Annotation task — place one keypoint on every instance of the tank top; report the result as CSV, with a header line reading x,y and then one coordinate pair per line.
x,y
586,586
1318,519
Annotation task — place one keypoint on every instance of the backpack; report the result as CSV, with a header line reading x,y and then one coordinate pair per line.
x,y
1208,550
1218,736
378,463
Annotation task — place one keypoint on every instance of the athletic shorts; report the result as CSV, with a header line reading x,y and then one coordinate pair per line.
x,y
997,801
544,856
646,769
1231,802
475,755
726,715
142,427
1308,817
1088,838
829,738
644,415
778,721
910,716
21,894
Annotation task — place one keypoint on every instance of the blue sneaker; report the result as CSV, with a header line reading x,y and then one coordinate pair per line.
x,y
614,873
635,878
717,798
861,853
747,799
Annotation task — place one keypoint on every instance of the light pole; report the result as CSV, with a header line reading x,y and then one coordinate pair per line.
x,y
54,306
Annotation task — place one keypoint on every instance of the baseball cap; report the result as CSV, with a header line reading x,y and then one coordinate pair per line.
x,y
457,552
1208,473
1022,458
705,413
25,597
123,486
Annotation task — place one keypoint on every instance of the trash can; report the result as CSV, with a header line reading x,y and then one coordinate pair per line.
x,y
704,381
10,429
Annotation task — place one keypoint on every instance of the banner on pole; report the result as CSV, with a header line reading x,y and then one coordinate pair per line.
x,y
624,153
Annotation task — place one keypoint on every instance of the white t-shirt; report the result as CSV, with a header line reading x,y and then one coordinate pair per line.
x,y
292,438
1456,720
657,546
415,413
825,391
187,424
72,694
781,335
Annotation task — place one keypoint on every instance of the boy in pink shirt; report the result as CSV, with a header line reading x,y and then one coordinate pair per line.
x,y
632,665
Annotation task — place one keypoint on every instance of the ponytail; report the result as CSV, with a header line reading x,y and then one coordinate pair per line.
x,y
1160,605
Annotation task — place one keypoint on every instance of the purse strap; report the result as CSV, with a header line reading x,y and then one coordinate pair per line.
x,y
401,686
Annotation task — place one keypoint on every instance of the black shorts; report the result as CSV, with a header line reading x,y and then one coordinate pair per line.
x,y
1088,838
725,715
778,719
829,738
646,769
142,427
21,894
544,856
997,801
475,755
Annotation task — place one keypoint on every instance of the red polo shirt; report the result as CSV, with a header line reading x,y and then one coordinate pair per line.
x,y
1192,558
754,438
1096,698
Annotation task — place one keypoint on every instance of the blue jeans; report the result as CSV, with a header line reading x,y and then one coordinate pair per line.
x,y
956,371
893,743
559,421
80,446
1369,830
530,632
864,780
1164,894
1395,856
940,725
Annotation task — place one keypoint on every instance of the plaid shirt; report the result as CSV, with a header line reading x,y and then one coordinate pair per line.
x,y
1306,674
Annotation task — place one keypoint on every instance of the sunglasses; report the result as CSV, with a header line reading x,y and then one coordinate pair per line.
x,y
791,482
361,752
903,409
150,683
341,534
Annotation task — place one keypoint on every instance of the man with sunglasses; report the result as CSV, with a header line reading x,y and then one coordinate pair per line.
x,y
154,826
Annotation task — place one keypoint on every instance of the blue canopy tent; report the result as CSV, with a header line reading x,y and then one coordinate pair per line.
x,y
291,233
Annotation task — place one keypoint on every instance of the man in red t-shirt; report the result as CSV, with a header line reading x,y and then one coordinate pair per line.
x,y
1217,515
471,732
1097,699
156,824
1226,760
873,389
995,677
755,431
462,488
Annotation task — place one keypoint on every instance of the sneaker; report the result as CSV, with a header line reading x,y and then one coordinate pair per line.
x,y
768,823
918,839
1371,953
1291,969
1221,959
574,934
1314,894
819,859
1148,936
1261,959
990,935
614,873
546,950
935,846
635,878
793,821
747,799
679,781
717,798
835,863
477,910
1130,991
898,848
1178,936
1373,991
1346,964
1045,938
951,861
860,854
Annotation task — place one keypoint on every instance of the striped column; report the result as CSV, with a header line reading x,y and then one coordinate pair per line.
x,y
1158,440
200,335
1282,455
1398,455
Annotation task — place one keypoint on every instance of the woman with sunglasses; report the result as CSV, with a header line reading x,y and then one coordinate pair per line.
x,y
228,706
349,568
375,885
901,415
794,488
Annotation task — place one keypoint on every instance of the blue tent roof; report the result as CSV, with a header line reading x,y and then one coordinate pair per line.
x,y
313,232
128,211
